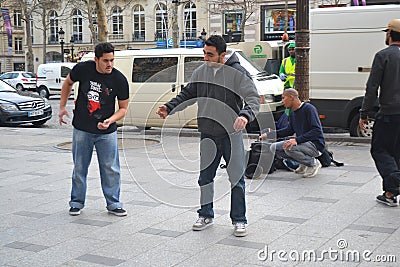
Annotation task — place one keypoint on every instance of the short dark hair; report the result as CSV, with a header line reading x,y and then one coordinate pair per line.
x,y
218,42
102,48
395,36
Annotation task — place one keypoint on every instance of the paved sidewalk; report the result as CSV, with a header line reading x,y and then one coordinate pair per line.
x,y
333,214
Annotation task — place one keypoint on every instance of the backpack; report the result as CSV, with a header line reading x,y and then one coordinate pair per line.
x,y
257,160
326,159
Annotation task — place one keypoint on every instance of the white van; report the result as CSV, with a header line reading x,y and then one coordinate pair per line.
x,y
157,75
51,76
343,42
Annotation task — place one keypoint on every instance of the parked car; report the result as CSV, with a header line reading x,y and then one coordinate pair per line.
x,y
22,107
20,80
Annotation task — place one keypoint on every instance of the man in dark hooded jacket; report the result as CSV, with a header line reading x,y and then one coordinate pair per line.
x,y
227,101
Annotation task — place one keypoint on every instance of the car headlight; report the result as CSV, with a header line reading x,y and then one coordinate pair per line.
x,y
269,98
46,102
8,106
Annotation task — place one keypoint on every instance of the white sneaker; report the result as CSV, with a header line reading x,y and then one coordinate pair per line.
x,y
301,169
202,223
312,171
240,229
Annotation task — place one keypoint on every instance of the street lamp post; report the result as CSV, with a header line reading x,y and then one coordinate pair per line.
x,y
72,48
61,37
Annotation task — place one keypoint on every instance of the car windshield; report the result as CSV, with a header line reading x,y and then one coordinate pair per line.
x,y
251,67
6,88
28,75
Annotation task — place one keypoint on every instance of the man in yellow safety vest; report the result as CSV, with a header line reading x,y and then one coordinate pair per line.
x,y
288,66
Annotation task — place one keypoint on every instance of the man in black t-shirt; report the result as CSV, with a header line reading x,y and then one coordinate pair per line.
x,y
94,125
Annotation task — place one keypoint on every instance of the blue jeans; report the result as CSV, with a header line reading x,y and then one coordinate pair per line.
x,y
303,153
211,150
108,159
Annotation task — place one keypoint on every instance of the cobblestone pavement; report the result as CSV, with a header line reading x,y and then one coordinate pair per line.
x,y
329,220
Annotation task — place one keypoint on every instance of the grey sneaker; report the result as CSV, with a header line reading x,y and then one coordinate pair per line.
x,y
74,211
312,171
202,223
392,202
240,229
118,212
301,169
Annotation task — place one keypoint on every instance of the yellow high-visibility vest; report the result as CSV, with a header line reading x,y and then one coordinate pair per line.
x,y
290,69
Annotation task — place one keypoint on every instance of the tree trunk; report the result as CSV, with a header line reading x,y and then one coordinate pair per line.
x,y
90,18
174,25
29,55
44,11
101,21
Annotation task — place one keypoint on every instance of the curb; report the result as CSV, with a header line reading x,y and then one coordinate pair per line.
x,y
185,132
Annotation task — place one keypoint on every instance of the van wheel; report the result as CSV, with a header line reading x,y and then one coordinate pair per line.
x,y
355,129
43,92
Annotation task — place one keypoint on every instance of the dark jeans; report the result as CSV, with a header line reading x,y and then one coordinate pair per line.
x,y
211,150
385,150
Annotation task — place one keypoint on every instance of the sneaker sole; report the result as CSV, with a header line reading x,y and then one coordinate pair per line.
x,y
194,228
387,203
240,234
312,174
118,214
74,213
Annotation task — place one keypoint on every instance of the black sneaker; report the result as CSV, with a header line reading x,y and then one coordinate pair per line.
x,y
118,212
74,211
392,202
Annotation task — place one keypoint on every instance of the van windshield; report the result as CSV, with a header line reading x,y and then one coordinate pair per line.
x,y
246,63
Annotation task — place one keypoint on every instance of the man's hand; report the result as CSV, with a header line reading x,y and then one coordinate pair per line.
x,y
240,123
61,114
162,111
362,123
289,144
283,77
104,125
262,136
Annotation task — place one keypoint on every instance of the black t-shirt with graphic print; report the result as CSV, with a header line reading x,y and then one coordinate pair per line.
x,y
96,96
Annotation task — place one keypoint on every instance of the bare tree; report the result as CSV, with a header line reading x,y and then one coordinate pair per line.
x,y
247,6
42,10
27,7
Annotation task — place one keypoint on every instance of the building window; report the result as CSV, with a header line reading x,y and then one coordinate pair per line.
x,y
17,18
53,27
77,26
18,45
161,22
190,21
117,23
138,23
232,21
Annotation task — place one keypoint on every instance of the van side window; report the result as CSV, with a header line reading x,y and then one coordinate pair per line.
x,y
65,71
191,63
154,69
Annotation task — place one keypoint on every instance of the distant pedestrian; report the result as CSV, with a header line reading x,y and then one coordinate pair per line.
x,y
94,125
227,100
385,145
